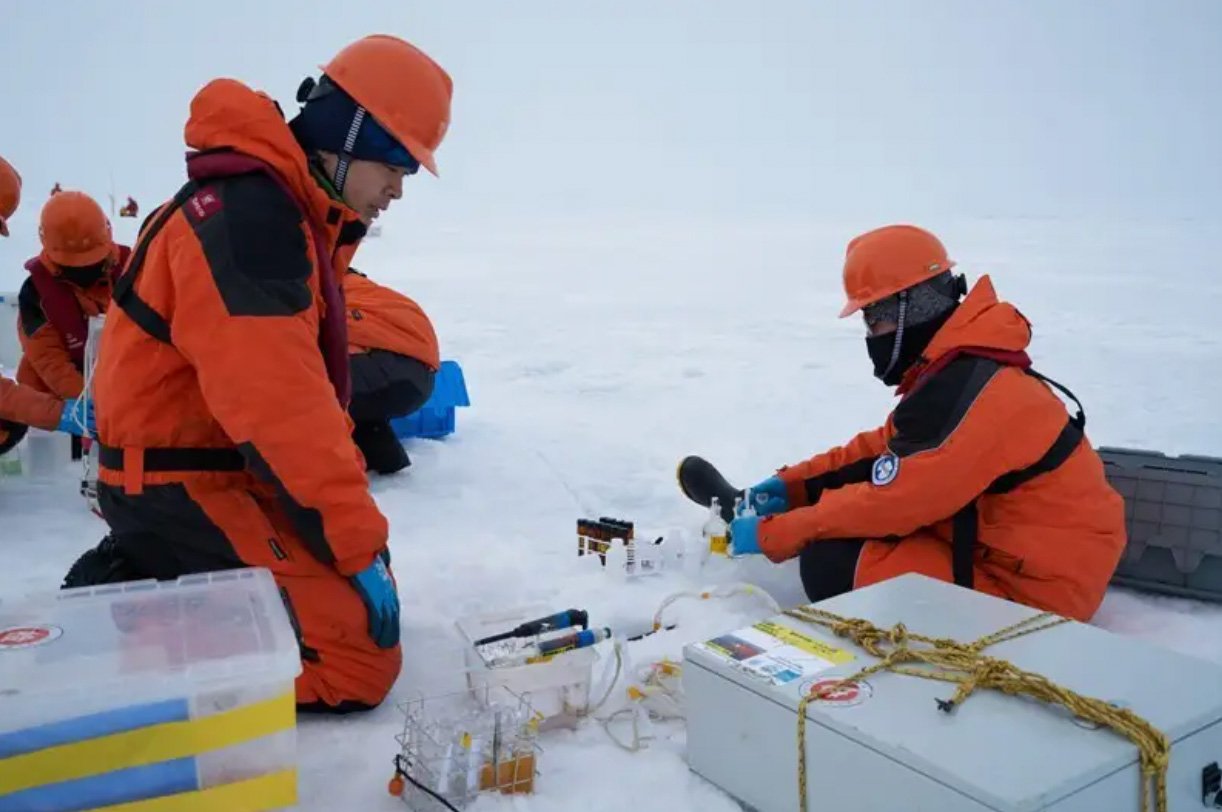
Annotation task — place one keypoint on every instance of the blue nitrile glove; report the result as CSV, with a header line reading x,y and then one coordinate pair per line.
x,y
744,535
768,497
377,590
75,414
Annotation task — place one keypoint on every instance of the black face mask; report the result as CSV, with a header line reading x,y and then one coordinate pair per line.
x,y
84,277
915,339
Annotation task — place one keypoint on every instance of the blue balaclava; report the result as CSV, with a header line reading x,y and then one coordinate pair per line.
x,y
332,121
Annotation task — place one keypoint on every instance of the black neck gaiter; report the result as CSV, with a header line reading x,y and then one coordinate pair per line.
x,y
915,338
84,277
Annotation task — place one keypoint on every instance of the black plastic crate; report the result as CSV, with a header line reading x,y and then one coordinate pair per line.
x,y
1173,513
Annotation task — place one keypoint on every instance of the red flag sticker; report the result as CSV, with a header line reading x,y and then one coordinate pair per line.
x,y
837,693
18,637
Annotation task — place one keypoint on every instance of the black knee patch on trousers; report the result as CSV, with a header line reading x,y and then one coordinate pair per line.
x,y
104,564
386,385
828,566
164,532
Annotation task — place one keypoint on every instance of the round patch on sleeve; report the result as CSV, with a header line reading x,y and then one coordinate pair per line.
x,y
885,469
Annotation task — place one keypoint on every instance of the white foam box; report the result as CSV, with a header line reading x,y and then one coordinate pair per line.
x,y
884,745
556,688
178,691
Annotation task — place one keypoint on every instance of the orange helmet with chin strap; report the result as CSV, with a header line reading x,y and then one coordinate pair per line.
x,y
899,274
887,260
74,230
405,91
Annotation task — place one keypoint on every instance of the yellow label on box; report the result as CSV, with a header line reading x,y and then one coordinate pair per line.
x,y
800,641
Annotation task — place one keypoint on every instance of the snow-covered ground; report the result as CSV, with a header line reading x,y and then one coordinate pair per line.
x,y
599,352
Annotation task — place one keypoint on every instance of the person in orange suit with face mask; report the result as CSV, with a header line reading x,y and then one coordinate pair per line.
x,y
69,282
223,383
979,476
24,406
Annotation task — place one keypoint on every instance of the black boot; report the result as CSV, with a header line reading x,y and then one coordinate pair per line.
x,y
104,564
700,482
384,454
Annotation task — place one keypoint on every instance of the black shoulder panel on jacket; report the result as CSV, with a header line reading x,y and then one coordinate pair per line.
x,y
850,474
29,307
256,247
929,415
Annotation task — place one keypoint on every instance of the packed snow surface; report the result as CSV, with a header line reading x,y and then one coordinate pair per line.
x,y
599,352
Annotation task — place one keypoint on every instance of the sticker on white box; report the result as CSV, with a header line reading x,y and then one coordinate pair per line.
x,y
19,637
776,653
837,693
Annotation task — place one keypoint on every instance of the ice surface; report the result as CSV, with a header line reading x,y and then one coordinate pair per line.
x,y
598,354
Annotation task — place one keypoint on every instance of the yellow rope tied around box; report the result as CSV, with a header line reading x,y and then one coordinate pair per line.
x,y
962,663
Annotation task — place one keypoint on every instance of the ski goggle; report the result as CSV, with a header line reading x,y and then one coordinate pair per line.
x,y
373,139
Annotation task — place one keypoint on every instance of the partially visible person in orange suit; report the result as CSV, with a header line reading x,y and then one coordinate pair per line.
x,y
394,358
979,476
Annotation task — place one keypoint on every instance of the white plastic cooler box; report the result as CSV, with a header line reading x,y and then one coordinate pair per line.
x,y
149,697
883,744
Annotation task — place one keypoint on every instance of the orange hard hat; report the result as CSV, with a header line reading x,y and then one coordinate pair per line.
x,y
882,262
74,230
10,193
405,90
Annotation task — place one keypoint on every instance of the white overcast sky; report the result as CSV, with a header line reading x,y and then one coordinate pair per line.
x,y
793,108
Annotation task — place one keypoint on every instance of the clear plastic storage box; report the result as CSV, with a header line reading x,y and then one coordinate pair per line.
x,y
170,695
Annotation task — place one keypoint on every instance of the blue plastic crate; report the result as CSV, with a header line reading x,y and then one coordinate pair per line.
x,y
436,418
